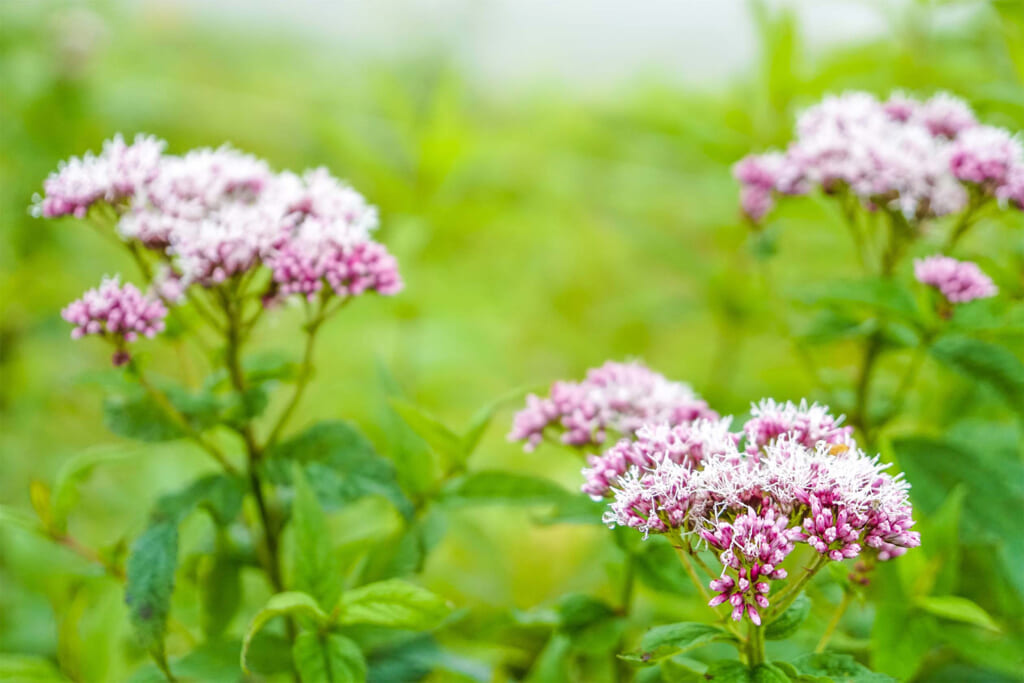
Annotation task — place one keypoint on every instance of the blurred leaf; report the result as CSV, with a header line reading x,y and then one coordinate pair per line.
x,y
552,664
14,517
415,658
768,673
444,441
29,669
838,668
956,608
393,603
900,640
992,365
314,568
577,610
493,487
75,470
407,554
829,326
328,658
574,509
672,639
220,592
877,296
659,568
134,414
341,465
282,604
152,560
789,621
150,582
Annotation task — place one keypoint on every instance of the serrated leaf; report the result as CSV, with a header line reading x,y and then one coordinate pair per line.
x,y
673,639
839,668
957,608
994,366
340,463
328,658
393,603
314,569
789,621
768,673
496,487
727,671
280,605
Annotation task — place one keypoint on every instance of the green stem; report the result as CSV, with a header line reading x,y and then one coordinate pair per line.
x,y
683,552
860,414
755,645
628,581
965,222
834,621
179,419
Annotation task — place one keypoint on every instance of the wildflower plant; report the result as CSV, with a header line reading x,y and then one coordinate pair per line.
x,y
222,242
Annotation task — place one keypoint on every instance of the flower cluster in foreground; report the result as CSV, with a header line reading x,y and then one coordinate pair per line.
x,y
919,158
117,312
213,217
957,281
618,397
792,474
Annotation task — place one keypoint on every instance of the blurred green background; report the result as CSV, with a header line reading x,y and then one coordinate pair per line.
x,y
541,229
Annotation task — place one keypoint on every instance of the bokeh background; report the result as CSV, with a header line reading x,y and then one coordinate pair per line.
x,y
555,181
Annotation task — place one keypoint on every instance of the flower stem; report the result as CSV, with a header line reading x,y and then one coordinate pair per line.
x,y
755,645
834,622
684,557
786,597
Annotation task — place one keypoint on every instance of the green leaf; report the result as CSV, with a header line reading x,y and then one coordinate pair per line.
x,y
282,604
957,608
393,603
768,673
728,671
220,592
574,509
838,668
673,639
552,664
789,621
445,442
340,463
659,568
328,658
314,568
577,610
74,471
15,517
152,559
150,581
990,364
406,554
875,295
28,669
134,414
496,487
482,419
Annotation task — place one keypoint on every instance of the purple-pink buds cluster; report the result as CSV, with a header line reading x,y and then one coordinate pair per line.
x,y
919,158
119,313
958,281
753,546
617,397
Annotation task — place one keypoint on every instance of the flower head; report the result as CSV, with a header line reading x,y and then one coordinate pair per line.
x,y
116,312
799,478
985,155
958,281
114,175
621,397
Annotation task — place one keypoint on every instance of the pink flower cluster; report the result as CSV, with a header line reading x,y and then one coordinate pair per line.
x,y
752,494
915,157
216,214
117,312
958,281
618,397
112,176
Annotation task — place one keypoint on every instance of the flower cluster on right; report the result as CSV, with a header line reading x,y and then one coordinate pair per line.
x,y
921,158
791,474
